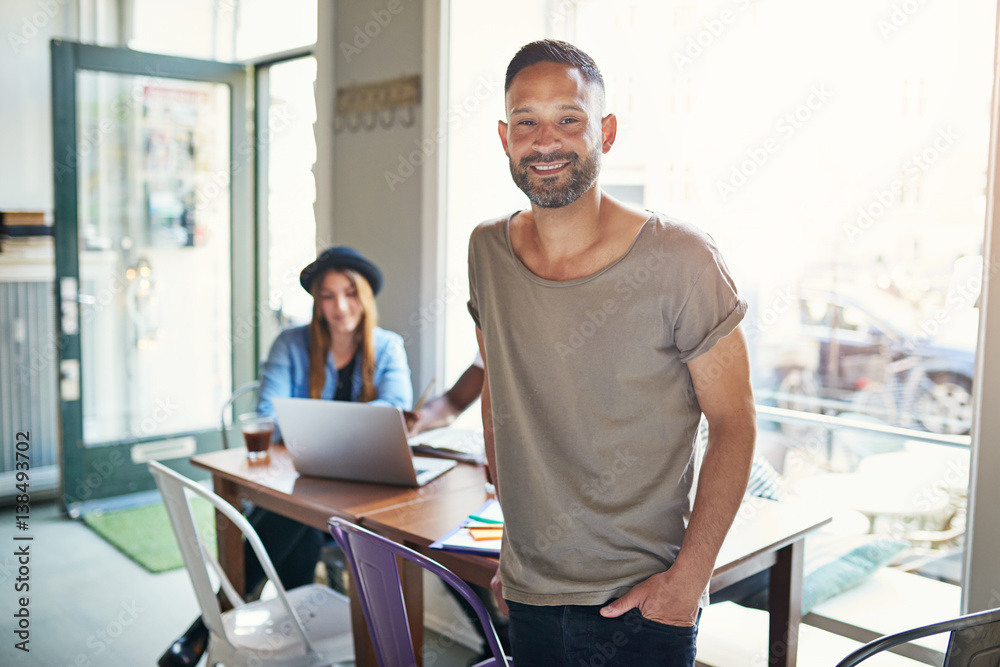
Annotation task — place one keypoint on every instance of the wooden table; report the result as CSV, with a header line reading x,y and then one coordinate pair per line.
x,y
771,535
275,485
765,535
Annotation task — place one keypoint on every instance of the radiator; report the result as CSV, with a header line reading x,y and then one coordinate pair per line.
x,y
28,384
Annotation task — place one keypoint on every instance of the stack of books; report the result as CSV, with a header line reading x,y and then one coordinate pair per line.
x,y
24,223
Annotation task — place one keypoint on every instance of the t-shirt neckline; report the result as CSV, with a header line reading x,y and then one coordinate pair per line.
x,y
524,270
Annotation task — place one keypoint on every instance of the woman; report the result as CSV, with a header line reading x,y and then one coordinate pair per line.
x,y
341,355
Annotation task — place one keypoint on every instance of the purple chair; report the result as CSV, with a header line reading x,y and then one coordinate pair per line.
x,y
373,564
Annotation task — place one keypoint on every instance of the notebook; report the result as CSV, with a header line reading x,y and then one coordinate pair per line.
x,y
352,441
463,539
449,442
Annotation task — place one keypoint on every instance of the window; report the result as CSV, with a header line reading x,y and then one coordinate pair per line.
x,y
291,193
227,30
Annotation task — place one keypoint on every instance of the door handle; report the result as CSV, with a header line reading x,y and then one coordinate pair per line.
x,y
70,311
69,379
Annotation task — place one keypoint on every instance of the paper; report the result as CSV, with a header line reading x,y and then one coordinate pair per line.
x,y
455,443
463,540
480,533
458,439
491,512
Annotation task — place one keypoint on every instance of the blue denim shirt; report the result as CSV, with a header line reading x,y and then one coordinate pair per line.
x,y
286,371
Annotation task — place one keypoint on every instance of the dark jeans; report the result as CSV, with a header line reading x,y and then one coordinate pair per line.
x,y
578,636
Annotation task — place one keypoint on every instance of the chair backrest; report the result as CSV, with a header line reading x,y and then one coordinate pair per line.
x,y
223,423
198,558
976,645
974,641
376,575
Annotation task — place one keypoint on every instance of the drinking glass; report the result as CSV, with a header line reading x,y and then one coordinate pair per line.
x,y
257,429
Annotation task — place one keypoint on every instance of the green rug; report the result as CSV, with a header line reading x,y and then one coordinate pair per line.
x,y
144,533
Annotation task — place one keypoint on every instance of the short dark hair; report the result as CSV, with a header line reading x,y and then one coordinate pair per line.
x,y
554,51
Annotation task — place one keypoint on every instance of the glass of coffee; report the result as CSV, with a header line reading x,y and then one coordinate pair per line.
x,y
257,429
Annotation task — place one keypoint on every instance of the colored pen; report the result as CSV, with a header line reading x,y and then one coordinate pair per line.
x,y
423,396
483,519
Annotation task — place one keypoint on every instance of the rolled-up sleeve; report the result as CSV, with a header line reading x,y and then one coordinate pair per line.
x,y
712,309
473,303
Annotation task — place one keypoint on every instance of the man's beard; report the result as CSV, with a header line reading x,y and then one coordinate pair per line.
x,y
544,192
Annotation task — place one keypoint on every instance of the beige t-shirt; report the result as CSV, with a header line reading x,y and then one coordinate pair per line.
x,y
594,412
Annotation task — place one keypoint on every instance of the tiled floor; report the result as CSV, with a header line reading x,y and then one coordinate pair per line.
x,y
90,606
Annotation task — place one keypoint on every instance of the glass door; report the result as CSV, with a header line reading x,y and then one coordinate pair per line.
x,y
155,256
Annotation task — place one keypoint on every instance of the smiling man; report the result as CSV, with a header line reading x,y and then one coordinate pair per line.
x,y
607,332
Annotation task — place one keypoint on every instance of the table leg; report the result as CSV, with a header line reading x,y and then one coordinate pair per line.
x,y
229,539
785,602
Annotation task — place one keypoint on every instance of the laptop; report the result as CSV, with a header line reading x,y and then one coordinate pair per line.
x,y
352,441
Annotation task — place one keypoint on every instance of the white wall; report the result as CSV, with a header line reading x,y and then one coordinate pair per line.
x,y
26,26
381,219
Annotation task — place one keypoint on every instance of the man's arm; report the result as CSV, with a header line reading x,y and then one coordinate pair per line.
x,y
444,409
721,380
491,458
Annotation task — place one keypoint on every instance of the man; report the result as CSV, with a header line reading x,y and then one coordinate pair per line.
x,y
606,332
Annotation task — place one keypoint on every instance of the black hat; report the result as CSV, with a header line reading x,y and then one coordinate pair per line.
x,y
341,257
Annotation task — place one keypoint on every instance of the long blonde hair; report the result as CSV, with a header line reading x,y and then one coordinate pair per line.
x,y
321,340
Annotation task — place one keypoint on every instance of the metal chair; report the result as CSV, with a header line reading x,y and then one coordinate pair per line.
x,y
308,626
373,563
974,642
244,389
